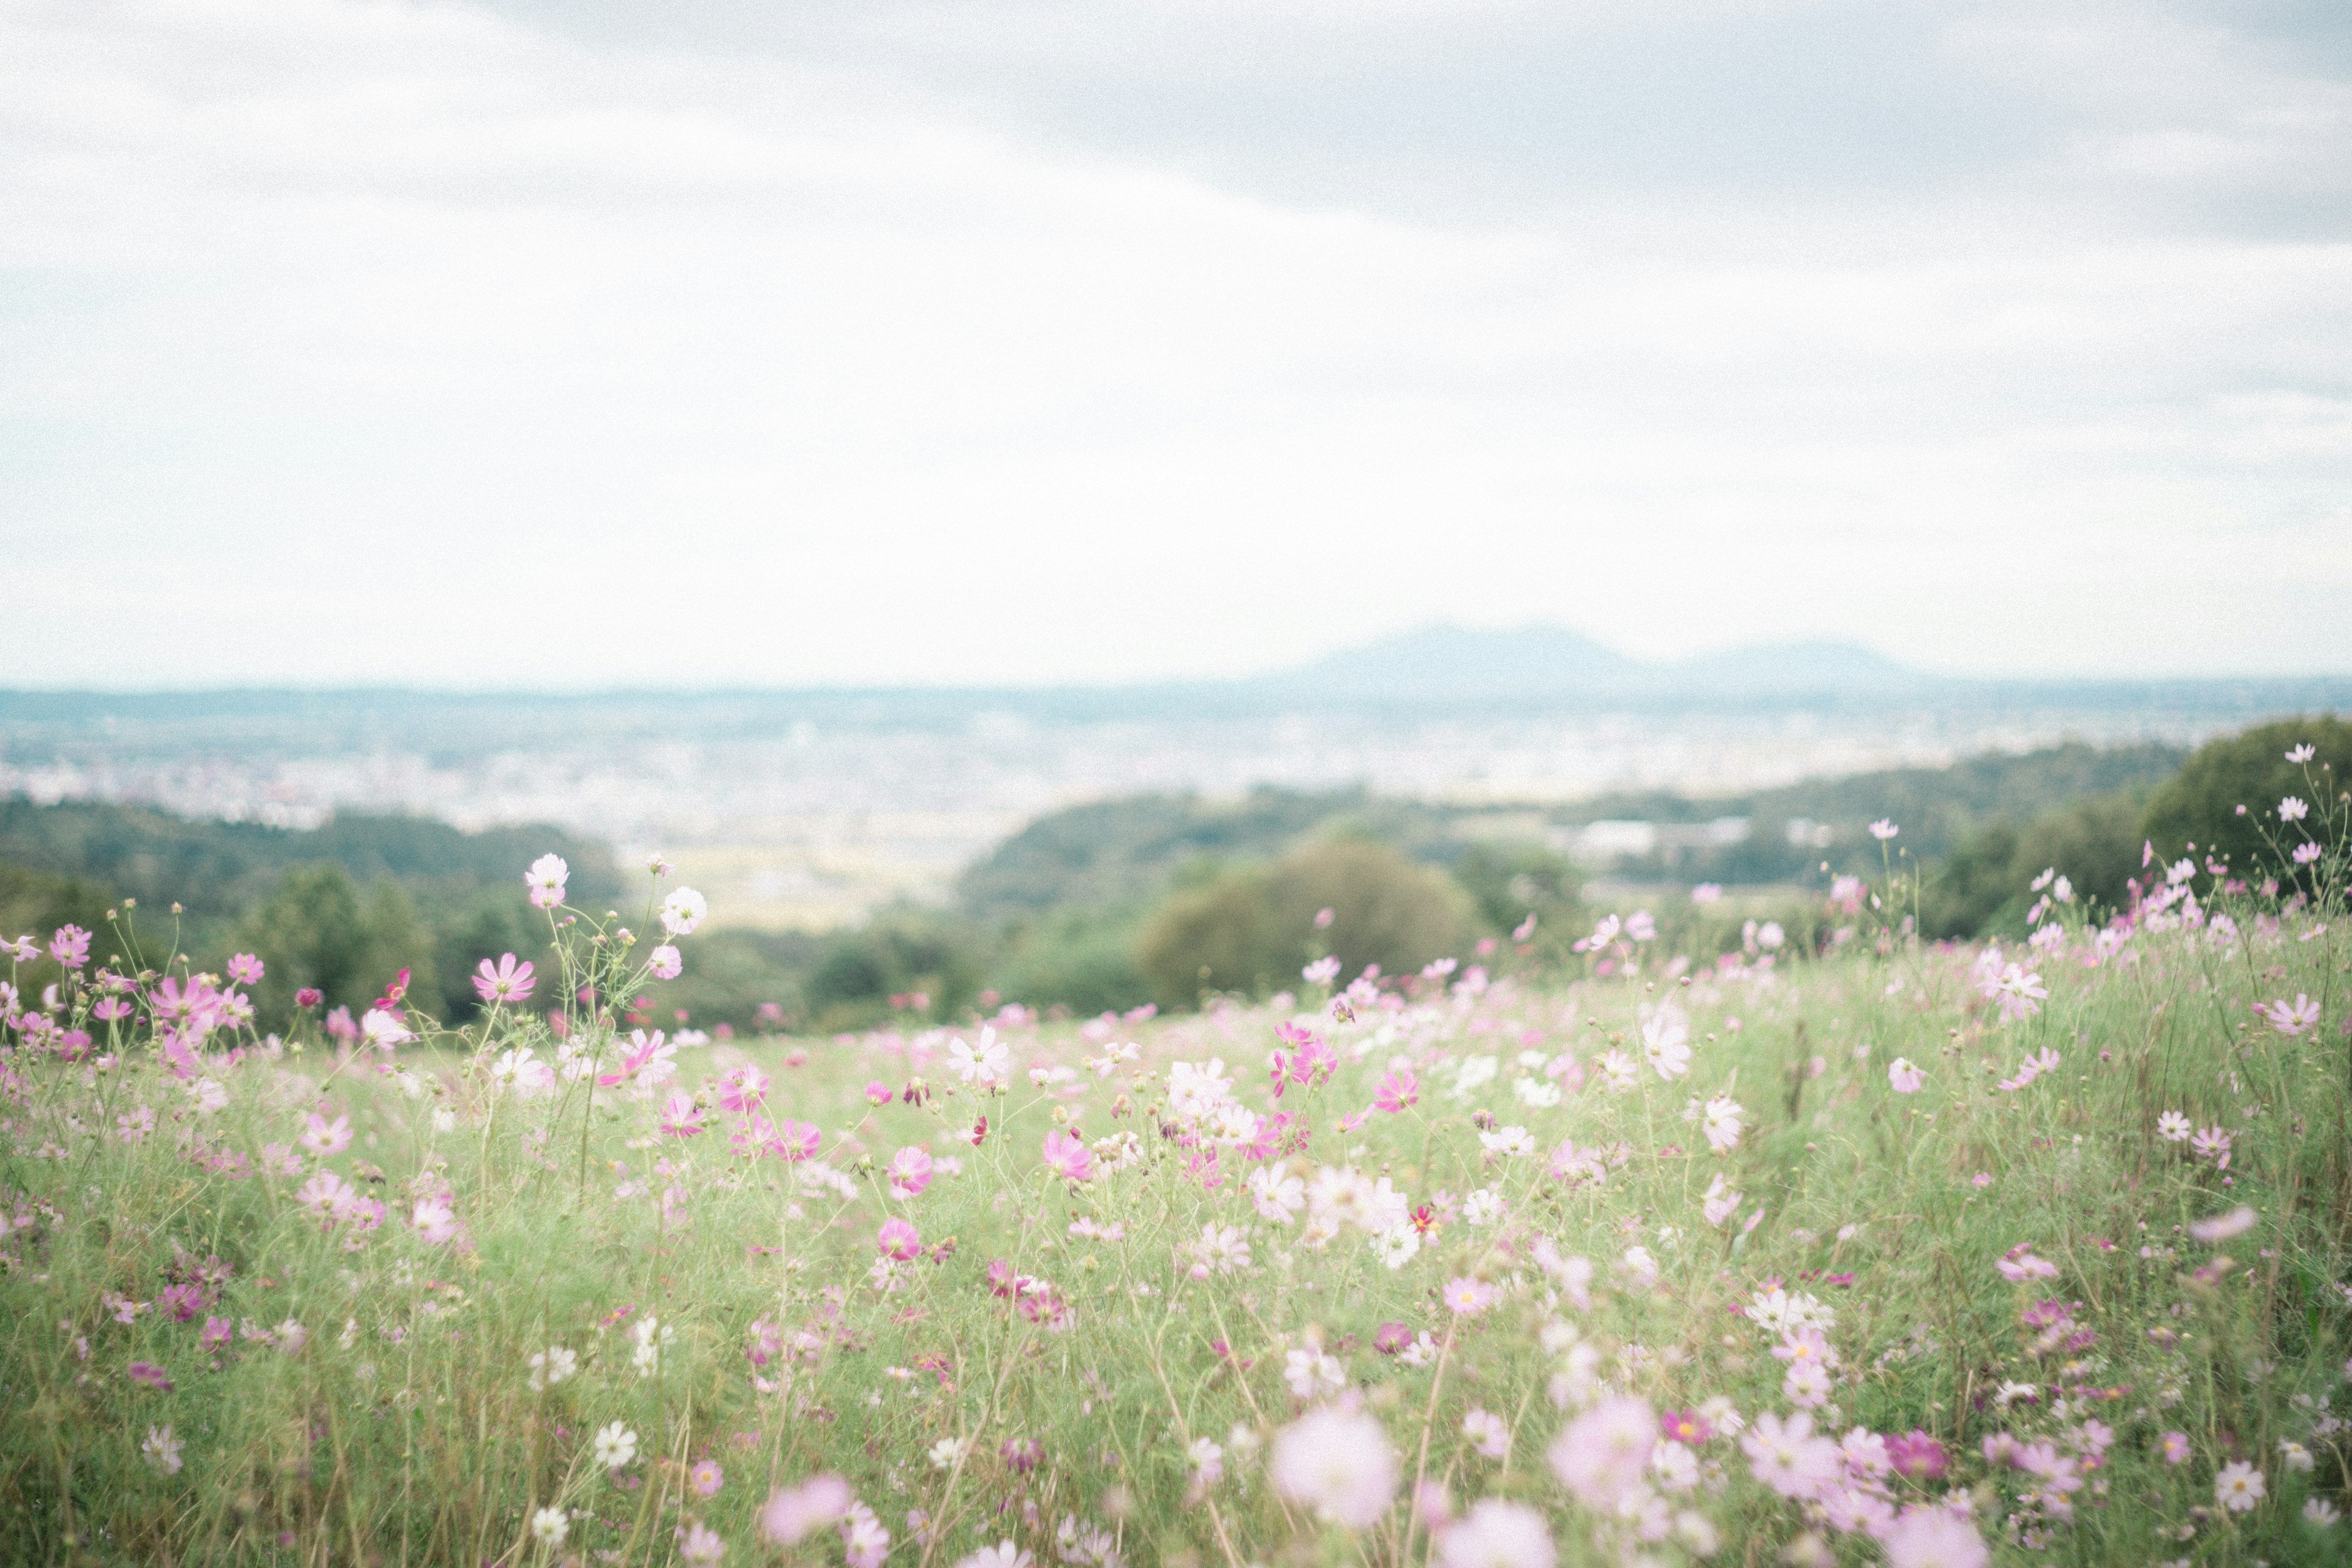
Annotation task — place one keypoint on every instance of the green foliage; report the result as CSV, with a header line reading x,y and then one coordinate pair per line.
x,y
2033,1265
2199,805
1125,853
316,931
1250,930
856,973
1083,959
1509,882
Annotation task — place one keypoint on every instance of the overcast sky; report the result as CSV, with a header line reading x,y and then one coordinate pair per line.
x,y
567,341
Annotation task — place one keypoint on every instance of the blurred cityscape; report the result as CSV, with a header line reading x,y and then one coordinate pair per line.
x,y
810,810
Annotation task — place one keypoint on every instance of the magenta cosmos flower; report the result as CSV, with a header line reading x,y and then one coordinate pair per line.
x,y
898,1240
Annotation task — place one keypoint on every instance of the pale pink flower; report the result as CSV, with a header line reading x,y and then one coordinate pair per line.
x,y
1469,1297
1338,1463
1930,1537
743,1089
508,981
791,1514
1904,1078
1788,1458
683,910
2224,1228
1497,1534
545,881
2239,1486
1069,1157
911,1173
246,969
2296,1017
323,1137
434,1220
665,963
1601,1456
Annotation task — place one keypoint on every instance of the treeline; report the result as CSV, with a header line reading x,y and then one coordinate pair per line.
x,y
341,908
1160,898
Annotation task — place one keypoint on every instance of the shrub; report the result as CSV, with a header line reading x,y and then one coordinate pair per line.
x,y
1250,931
2199,805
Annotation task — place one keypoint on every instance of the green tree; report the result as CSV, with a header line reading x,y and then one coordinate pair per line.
x,y
2200,803
314,931
1250,930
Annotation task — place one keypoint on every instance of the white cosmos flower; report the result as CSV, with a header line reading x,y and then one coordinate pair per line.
x,y
683,910
984,1062
615,1446
552,1366
1278,1194
1513,1141
1666,1043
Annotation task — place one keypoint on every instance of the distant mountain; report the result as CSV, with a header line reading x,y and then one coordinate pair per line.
x,y
1446,661
1450,663
1794,669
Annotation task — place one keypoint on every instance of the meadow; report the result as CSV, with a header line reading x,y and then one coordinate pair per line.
x,y
1848,1247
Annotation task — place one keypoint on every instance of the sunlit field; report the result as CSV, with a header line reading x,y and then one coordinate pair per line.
x,y
1807,1244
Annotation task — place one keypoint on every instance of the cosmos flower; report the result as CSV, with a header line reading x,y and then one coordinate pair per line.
x,y
1338,1463
2239,1486
545,879
683,910
508,981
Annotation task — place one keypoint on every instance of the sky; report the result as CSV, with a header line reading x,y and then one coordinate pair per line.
x,y
573,343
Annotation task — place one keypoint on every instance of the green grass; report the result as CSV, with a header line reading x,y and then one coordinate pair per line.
x,y
405,1429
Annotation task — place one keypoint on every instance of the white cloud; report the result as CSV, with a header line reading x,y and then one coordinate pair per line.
x,y
420,342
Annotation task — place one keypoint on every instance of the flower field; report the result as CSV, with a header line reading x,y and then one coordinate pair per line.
x,y
1828,1247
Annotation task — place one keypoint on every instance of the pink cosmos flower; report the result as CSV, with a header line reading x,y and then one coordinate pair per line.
x,y
2296,1017
545,881
681,1116
1917,1456
1469,1297
1396,1091
510,981
665,963
216,1333
1903,1078
898,1240
149,1375
743,1089
1788,1458
2174,1447
1069,1157
1497,1534
246,969
1338,1463
1602,1454
323,1138
643,1052
326,1194
70,946
434,1220
1929,1536
2019,1263
793,1513
2224,1228
706,1479
1884,829
911,1173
